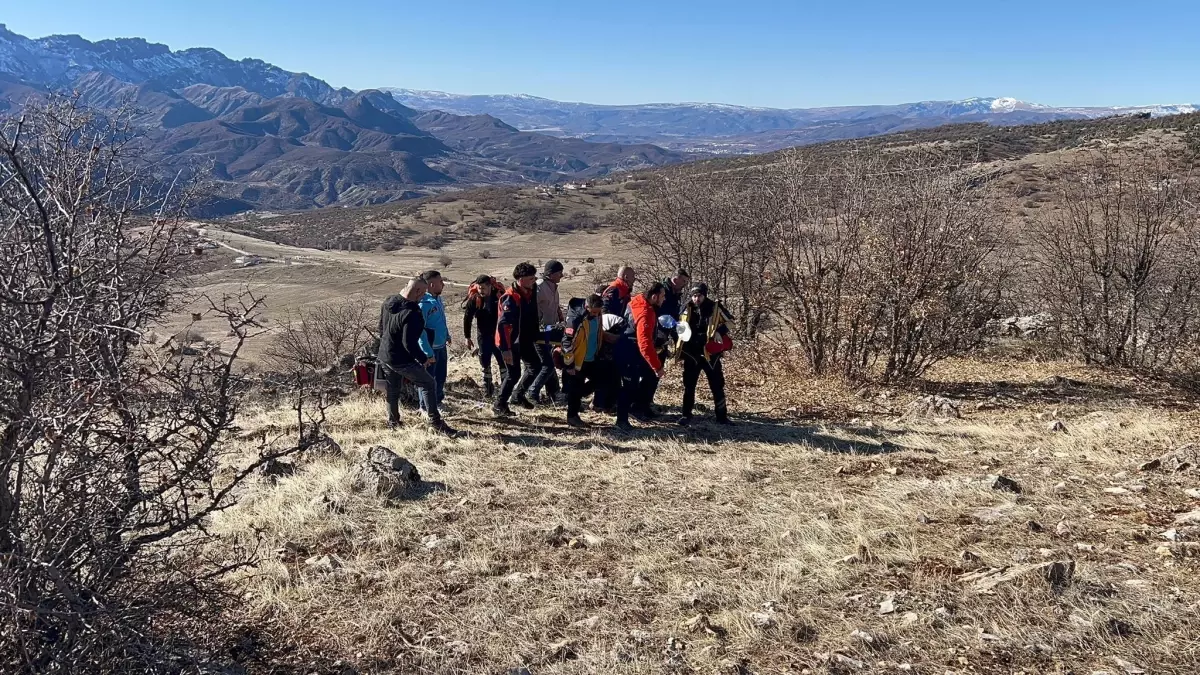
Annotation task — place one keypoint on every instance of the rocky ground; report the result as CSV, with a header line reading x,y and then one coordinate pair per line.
x,y
1004,517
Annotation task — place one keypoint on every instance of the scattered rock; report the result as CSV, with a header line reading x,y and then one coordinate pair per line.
x,y
386,475
1034,526
1150,465
1128,667
328,502
1085,548
1063,528
863,636
1057,427
274,469
588,623
1190,518
557,536
1182,458
701,624
933,406
888,605
1003,483
1171,535
762,619
1119,628
1056,573
893,471
1115,491
324,563
639,581
324,447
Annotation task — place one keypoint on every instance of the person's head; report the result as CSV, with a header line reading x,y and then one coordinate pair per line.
x,y
415,288
655,294
525,275
553,271
626,274
484,283
699,293
681,280
595,305
434,279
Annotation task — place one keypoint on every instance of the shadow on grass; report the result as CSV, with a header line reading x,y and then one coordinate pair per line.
x,y
1161,392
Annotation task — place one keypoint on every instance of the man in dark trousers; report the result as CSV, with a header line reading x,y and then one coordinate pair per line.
x,y
636,356
582,339
401,327
702,353
482,307
516,336
550,320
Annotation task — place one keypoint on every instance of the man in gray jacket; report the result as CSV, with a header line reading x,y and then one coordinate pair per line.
x,y
401,327
550,318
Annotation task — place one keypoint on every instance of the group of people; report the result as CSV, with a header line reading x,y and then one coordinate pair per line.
x,y
613,345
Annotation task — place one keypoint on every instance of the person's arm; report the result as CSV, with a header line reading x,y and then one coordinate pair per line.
x,y
423,341
612,301
413,331
645,340
468,317
504,324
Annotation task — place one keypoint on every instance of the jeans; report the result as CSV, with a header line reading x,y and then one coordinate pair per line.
x,y
547,376
531,363
579,385
420,377
692,367
438,372
487,352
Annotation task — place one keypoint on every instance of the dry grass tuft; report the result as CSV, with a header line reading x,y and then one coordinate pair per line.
x,y
787,544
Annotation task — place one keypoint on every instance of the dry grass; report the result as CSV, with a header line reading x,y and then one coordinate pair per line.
x,y
766,549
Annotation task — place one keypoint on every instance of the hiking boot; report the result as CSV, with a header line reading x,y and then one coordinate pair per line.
x,y
441,427
393,425
489,389
503,412
524,402
685,420
623,426
641,416
576,421
725,421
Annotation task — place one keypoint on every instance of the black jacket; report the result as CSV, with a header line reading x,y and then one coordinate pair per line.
x,y
673,303
400,328
484,312
700,320
518,325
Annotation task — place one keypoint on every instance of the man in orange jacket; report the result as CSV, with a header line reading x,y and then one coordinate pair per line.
x,y
636,356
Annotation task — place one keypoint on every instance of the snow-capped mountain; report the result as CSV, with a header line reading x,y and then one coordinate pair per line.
x,y
59,60
728,128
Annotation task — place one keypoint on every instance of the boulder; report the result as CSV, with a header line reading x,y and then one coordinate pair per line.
x,y
1003,483
386,475
274,469
324,447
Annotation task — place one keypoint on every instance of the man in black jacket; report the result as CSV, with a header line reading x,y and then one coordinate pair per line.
x,y
702,353
516,335
401,326
482,307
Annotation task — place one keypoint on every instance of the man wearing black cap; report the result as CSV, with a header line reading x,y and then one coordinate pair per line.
x,y
550,318
702,353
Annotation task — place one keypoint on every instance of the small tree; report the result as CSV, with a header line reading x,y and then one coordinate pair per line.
x,y
318,337
1117,261
109,451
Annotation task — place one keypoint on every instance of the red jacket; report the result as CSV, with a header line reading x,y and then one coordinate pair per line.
x,y
516,308
645,321
616,297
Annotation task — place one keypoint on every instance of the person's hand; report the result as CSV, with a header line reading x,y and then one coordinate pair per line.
x,y
571,371
430,361
470,345
507,356
659,373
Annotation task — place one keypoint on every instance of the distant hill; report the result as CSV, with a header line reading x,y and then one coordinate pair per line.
x,y
274,139
709,127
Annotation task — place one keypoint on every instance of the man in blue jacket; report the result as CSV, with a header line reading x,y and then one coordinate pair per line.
x,y
436,336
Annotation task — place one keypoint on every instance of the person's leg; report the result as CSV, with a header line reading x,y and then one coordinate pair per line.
x,y
647,384
691,376
512,373
431,369
393,380
574,386
441,371
486,351
426,387
532,366
630,382
716,382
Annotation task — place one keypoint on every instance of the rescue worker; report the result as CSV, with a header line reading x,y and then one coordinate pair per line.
x,y
636,356
582,338
702,353
550,316
516,337
618,293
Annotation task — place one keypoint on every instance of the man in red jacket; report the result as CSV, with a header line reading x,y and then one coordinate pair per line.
x,y
616,296
636,356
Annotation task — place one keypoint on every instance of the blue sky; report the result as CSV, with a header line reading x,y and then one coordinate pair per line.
x,y
749,52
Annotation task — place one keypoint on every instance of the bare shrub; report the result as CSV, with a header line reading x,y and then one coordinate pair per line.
x,y
445,260
316,338
1117,262
109,452
485,254
879,265
431,241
